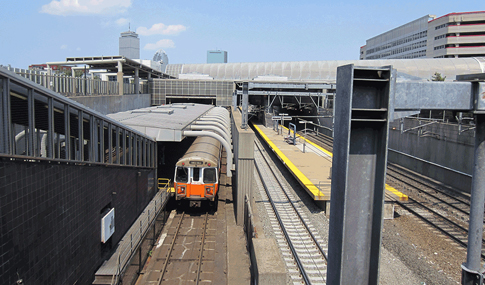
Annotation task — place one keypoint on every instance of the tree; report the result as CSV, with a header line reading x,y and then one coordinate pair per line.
x,y
437,77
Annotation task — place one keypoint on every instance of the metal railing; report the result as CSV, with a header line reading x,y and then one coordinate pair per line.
x,y
137,234
77,86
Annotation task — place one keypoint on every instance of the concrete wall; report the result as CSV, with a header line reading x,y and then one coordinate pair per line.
x,y
243,151
50,218
438,143
443,144
114,103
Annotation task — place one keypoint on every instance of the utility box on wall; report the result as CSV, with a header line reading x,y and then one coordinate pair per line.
x,y
107,225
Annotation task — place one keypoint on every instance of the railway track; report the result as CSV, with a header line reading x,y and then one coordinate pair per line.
x,y
436,204
429,191
188,255
302,250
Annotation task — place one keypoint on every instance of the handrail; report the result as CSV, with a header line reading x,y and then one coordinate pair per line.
x,y
136,238
163,183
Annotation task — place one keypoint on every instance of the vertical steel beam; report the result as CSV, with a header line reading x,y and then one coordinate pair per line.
x,y
110,143
93,131
67,131
80,141
6,145
137,81
130,149
358,174
245,99
123,146
118,144
472,273
31,114
50,127
101,142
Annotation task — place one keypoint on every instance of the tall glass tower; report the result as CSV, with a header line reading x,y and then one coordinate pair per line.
x,y
216,56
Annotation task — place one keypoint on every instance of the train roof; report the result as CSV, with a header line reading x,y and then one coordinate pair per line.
x,y
203,152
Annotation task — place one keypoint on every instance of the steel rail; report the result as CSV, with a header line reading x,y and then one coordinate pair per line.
x,y
288,240
393,175
295,209
450,235
164,268
202,248
431,184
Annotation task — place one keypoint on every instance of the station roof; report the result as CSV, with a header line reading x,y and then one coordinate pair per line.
x,y
110,63
162,123
326,71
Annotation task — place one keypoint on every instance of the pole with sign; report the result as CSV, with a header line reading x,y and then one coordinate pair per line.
x,y
304,136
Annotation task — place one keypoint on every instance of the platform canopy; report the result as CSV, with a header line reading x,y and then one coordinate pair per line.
x,y
112,64
165,122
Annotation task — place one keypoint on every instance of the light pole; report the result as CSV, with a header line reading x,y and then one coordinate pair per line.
x,y
304,136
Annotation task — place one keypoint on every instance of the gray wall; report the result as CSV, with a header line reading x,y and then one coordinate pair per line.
x,y
440,150
114,103
243,151
439,143
51,217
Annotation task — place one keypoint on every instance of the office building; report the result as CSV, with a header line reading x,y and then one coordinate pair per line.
x,y
216,56
130,45
457,35
452,35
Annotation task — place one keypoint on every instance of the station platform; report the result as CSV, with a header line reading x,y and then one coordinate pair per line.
x,y
311,167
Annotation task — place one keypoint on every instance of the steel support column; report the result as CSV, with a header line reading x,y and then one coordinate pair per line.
x,y
50,128
472,273
137,81
358,174
245,102
67,132
31,115
6,145
119,78
80,141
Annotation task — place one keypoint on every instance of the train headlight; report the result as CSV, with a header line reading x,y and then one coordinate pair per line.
x,y
181,190
209,190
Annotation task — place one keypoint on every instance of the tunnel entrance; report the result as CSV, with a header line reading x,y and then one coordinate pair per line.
x,y
168,154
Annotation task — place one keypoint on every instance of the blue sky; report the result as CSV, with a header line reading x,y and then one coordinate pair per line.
x,y
250,31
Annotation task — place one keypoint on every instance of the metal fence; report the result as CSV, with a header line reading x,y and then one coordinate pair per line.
x,y
77,86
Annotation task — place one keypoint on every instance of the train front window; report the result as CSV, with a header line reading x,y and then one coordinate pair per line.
x,y
210,175
195,174
182,175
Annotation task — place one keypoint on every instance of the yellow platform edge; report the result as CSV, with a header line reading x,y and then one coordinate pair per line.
x,y
317,194
400,196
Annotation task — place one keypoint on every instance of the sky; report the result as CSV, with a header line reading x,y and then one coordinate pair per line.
x,y
34,32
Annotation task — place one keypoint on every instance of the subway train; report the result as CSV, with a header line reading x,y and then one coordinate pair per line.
x,y
197,172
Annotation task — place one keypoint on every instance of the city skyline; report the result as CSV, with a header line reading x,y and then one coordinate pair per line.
x,y
41,31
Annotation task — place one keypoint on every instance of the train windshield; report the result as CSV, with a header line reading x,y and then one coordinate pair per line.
x,y
210,175
181,175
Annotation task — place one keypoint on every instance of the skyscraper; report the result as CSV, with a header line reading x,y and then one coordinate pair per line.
x,y
216,56
130,45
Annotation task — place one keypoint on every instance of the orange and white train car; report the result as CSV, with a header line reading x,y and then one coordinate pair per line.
x,y
197,172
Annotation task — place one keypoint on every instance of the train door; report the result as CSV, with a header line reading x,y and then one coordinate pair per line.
x,y
196,184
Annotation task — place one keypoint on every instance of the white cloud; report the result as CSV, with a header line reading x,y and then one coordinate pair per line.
x,y
85,7
161,29
64,47
165,43
78,49
122,21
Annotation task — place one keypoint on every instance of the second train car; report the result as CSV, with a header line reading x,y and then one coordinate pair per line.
x,y
197,172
